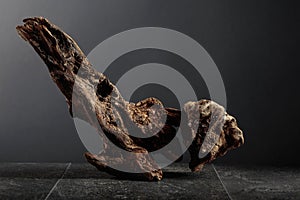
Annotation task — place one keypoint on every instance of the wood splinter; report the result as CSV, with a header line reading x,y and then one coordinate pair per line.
x,y
204,120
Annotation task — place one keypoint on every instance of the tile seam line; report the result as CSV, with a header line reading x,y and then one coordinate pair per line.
x,y
221,182
57,182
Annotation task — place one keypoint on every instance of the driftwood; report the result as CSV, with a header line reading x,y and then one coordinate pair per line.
x,y
117,118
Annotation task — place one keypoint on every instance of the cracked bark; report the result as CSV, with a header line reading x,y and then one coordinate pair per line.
x,y
117,118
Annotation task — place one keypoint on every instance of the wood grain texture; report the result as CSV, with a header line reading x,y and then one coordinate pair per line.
x,y
116,118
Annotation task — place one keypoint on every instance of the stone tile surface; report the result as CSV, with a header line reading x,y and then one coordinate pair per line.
x,y
83,181
28,181
260,182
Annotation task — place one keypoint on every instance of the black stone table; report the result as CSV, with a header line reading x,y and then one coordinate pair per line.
x,y
83,181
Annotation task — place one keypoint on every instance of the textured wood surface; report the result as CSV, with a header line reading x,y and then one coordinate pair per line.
x,y
116,118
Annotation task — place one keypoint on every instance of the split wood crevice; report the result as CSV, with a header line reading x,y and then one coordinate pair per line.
x,y
116,117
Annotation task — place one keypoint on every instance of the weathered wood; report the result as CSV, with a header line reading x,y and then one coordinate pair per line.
x,y
116,118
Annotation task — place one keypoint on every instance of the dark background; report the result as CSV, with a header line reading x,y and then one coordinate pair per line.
x,y
255,45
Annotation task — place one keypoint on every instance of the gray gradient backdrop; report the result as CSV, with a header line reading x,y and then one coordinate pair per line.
x,y
255,44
